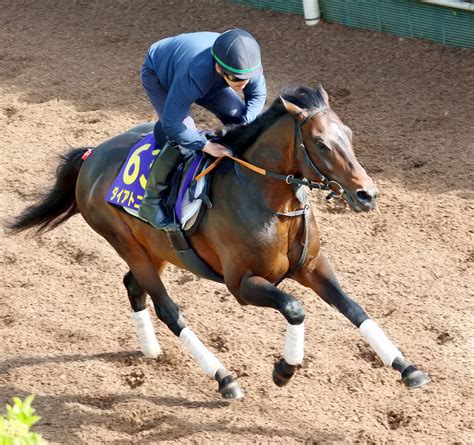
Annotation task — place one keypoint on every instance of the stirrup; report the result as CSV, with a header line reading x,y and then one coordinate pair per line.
x,y
161,220
168,225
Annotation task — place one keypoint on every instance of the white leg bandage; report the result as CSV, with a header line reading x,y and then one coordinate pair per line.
x,y
294,344
379,342
146,334
208,362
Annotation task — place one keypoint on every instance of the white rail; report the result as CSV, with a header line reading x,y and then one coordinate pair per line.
x,y
459,4
311,12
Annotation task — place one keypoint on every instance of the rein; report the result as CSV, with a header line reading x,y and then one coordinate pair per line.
x,y
336,190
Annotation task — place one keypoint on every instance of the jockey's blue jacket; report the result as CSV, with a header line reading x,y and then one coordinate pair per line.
x,y
186,74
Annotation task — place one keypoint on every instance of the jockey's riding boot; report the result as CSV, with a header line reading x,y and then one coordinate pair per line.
x,y
152,208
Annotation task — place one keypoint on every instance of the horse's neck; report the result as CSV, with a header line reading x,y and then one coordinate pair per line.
x,y
274,151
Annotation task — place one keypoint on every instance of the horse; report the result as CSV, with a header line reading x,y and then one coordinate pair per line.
x,y
259,231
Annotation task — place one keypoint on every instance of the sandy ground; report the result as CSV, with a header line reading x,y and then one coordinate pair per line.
x,y
69,77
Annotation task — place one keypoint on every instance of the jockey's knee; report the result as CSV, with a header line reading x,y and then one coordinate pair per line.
x,y
229,119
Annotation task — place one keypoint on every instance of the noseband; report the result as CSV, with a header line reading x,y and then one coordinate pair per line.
x,y
324,182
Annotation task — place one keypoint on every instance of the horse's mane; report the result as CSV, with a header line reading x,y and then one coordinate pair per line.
x,y
239,137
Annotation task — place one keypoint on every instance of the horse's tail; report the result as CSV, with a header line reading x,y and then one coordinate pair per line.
x,y
59,203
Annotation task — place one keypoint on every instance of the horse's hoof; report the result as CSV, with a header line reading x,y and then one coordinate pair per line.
x,y
152,352
282,373
279,379
230,389
415,378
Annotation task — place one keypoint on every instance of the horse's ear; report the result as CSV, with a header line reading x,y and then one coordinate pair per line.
x,y
322,92
291,108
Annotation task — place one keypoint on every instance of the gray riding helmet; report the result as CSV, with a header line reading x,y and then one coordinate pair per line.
x,y
238,53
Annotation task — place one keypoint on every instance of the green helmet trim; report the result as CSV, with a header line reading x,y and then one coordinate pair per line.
x,y
234,70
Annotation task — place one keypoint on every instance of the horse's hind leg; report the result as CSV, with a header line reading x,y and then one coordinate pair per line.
x,y
319,276
144,278
141,318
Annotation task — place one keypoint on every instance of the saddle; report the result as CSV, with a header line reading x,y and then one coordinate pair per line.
x,y
184,201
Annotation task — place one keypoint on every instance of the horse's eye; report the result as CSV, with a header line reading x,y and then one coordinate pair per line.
x,y
320,145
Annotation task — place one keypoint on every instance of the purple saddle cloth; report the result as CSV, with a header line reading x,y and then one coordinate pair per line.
x,y
128,188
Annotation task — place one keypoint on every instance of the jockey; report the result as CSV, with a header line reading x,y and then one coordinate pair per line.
x,y
208,69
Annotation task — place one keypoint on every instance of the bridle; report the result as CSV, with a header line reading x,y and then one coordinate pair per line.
x,y
324,182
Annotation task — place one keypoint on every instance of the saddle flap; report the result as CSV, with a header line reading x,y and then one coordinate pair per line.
x,y
192,193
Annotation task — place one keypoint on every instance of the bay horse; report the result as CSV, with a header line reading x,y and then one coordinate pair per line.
x,y
259,231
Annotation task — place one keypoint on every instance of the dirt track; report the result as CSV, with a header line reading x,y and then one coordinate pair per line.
x,y
69,77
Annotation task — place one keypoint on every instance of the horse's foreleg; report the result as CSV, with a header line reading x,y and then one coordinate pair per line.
x,y
141,317
168,312
257,291
320,277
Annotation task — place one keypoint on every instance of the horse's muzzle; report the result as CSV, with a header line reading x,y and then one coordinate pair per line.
x,y
362,200
366,198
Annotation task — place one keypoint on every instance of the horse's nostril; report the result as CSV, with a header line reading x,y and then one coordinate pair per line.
x,y
366,197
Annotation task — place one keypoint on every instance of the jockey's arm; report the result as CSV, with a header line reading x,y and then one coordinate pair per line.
x,y
255,94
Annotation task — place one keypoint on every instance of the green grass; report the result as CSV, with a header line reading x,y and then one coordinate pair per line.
x,y
15,424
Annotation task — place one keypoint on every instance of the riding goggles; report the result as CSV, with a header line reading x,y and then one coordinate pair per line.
x,y
233,77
